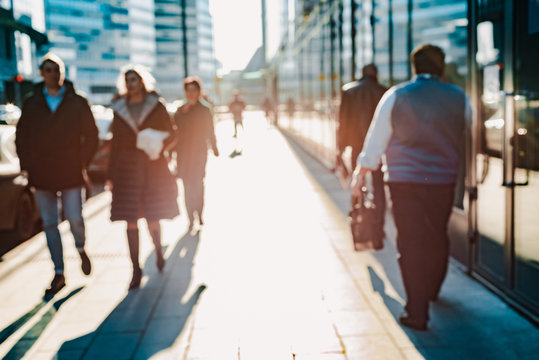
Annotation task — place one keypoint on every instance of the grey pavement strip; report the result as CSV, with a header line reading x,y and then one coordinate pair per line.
x,y
309,161
131,335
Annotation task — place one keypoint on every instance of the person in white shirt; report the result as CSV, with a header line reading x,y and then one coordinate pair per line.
x,y
419,126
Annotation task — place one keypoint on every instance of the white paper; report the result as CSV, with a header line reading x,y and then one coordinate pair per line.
x,y
151,142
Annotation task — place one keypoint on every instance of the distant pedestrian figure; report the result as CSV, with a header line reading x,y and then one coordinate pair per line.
x,y
194,121
291,108
141,183
56,139
358,102
236,107
419,125
267,107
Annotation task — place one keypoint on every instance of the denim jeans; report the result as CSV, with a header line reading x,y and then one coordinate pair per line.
x,y
72,205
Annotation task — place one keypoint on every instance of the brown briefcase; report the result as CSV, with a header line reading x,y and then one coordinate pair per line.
x,y
365,224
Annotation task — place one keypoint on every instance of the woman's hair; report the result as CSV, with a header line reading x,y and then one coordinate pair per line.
x,y
54,59
148,81
192,80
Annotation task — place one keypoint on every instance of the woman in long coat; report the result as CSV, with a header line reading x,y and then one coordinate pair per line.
x,y
142,186
194,121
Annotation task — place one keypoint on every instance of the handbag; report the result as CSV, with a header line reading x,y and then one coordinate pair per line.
x,y
365,222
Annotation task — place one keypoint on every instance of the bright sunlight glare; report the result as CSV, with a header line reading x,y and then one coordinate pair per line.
x,y
237,31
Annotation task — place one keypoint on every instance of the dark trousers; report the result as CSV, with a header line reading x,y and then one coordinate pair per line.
x,y
194,197
421,213
379,198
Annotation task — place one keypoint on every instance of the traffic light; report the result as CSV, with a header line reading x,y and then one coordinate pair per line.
x,y
17,78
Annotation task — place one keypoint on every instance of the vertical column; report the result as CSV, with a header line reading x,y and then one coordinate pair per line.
x,y
322,52
390,40
409,37
332,52
353,39
184,37
373,26
341,44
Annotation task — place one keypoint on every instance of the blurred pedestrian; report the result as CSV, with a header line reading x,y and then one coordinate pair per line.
x,y
194,121
267,107
56,140
358,102
141,183
291,108
236,107
419,125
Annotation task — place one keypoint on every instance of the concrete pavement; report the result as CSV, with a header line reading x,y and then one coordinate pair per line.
x,y
272,275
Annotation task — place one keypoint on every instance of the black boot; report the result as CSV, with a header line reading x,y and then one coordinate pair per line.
x,y
159,259
133,241
58,282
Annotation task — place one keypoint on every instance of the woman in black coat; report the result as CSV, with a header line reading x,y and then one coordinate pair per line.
x,y
141,183
194,120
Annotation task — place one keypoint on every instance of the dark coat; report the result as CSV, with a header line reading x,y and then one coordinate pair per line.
x,y
55,147
358,102
142,188
195,134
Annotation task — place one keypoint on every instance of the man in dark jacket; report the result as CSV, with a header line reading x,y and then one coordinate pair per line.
x,y
358,102
419,125
56,139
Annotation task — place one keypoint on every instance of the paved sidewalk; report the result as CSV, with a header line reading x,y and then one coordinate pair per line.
x,y
272,275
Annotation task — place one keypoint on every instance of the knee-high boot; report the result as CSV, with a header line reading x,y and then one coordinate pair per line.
x,y
156,238
133,242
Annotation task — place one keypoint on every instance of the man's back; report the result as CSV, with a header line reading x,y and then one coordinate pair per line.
x,y
428,122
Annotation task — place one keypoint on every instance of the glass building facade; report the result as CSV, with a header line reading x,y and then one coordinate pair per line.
x,y
95,39
170,23
22,42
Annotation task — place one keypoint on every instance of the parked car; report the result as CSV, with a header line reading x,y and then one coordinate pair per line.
x,y
9,114
18,209
97,169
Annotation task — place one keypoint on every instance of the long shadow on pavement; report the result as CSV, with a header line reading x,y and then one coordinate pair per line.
x,y
467,322
149,319
32,335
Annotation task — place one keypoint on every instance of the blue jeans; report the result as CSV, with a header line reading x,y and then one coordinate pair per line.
x,y
72,205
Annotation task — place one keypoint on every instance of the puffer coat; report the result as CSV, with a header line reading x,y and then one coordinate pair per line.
x,y
55,147
142,188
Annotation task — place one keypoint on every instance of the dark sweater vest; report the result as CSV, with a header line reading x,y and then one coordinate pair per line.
x,y
428,121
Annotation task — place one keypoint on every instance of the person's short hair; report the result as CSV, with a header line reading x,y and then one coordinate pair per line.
x,y
428,59
54,59
148,81
369,69
192,80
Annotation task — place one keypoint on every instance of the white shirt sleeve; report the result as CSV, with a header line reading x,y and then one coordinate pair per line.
x,y
468,112
379,133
